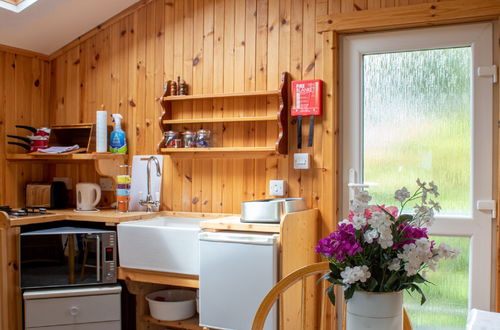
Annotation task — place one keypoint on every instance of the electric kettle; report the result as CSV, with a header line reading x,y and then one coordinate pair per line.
x,y
88,196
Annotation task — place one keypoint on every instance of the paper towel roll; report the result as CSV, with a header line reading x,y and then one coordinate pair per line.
x,y
101,131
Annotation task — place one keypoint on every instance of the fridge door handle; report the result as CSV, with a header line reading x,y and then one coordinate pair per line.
x,y
243,238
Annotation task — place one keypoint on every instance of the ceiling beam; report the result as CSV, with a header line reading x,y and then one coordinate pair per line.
x,y
434,13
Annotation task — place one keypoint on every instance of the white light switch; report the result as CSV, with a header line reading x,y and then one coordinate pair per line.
x,y
277,188
301,161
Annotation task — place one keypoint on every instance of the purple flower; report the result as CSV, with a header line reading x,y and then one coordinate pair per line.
x,y
410,234
340,243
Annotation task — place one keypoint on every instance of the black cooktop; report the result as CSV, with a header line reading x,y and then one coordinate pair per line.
x,y
27,211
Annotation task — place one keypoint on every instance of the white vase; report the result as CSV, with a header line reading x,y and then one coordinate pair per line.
x,y
375,310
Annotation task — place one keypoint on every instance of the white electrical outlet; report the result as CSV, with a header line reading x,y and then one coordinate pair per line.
x,y
277,188
67,181
301,161
106,184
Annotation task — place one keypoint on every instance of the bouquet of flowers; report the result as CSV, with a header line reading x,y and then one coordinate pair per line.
x,y
379,249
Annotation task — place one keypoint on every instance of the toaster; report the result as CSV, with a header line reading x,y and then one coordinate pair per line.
x,y
48,195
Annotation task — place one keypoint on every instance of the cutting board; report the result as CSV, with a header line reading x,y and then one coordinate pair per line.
x,y
140,181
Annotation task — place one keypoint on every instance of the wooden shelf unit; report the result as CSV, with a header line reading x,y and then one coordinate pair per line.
x,y
279,148
106,164
218,120
64,157
226,152
221,95
190,324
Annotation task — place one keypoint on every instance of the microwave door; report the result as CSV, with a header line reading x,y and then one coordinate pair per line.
x,y
90,268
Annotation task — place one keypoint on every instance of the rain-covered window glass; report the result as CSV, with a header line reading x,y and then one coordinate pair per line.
x,y
417,123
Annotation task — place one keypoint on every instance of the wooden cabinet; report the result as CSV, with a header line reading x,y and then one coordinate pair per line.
x,y
263,114
298,236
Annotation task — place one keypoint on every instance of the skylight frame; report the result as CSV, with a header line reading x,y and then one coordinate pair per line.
x,y
16,6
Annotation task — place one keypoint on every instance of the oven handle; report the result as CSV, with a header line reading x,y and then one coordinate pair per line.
x,y
98,259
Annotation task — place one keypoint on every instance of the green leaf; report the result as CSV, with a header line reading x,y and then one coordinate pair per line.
x,y
391,280
349,292
331,293
422,299
419,279
372,284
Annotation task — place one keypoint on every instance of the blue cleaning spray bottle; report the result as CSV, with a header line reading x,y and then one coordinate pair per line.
x,y
117,141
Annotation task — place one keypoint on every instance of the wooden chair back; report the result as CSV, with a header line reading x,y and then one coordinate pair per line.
x,y
300,275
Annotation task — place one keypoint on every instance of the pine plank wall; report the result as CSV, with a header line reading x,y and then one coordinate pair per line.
x,y
216,46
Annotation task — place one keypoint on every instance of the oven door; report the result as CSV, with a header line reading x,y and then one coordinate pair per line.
x,y
55,260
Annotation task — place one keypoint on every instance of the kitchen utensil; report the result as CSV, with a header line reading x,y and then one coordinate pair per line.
x,y
270,210
22,138
172,305
88,196
29,128
39,139
25,146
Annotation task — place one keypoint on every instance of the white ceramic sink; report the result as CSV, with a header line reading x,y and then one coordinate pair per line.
x,y
165,244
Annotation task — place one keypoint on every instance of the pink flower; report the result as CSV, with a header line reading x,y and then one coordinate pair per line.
x,y
392,210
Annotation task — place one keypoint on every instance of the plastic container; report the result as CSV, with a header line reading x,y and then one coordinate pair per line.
x,y
172,305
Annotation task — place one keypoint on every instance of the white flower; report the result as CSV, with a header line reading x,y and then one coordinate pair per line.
x,y
370,235
358,222
395,265
424,214
402,194
447,252
381,223
434,189
358,207
435,205
352,275
362,195
416,254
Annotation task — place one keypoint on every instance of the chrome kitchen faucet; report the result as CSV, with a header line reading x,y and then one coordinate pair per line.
x,y
149,202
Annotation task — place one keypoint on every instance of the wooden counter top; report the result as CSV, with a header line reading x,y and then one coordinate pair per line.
x,y
234,223
106,215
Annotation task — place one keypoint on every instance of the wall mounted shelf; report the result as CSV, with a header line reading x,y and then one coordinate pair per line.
x,y
280,146
221,95
106,164
218,120
223,152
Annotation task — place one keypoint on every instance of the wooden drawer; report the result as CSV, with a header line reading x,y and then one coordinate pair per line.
x,y
112,325
71,308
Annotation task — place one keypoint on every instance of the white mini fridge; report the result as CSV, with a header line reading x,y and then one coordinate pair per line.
x,y
237,270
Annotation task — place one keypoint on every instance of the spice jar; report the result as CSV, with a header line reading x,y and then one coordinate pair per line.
x,y
169,138
189,139
203,138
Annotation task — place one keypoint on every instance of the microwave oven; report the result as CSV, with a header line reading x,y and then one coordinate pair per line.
x,y
67,256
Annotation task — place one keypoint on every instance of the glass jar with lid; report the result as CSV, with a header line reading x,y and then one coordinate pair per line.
x,y
169,138
203,138
189,139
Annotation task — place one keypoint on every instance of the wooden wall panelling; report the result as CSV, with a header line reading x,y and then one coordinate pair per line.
x,y
261,102
228,103
24,86
203,176
3,143
213,203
